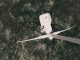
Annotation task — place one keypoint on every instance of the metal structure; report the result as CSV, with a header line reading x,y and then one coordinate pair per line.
x,y
45,21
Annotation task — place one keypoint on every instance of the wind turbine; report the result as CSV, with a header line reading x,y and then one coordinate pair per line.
x,y
45,21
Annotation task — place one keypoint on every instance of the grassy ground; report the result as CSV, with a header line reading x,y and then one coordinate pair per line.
x,y
19,20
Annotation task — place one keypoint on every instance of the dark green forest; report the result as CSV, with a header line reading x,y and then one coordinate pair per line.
x,y
19,20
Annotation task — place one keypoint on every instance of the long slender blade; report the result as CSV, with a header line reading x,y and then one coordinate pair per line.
x,y
73,40
40,37
54,35
58,32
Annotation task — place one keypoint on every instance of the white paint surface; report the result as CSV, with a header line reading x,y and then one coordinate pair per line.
x,y
45,20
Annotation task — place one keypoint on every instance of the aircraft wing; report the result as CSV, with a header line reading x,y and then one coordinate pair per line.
x,y
73,40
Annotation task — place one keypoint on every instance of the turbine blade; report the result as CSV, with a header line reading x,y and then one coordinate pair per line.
x,y
73,40
58,32
40,37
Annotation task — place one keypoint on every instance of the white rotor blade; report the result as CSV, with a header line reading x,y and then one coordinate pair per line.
x,y
40,37
73,40
58,32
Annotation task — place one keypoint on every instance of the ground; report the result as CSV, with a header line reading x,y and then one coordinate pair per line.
x,y
19,20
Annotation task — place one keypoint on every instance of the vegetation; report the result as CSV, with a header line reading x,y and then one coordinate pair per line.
x,y
19,20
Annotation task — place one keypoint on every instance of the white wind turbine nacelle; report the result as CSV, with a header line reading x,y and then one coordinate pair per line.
x,y
45,21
